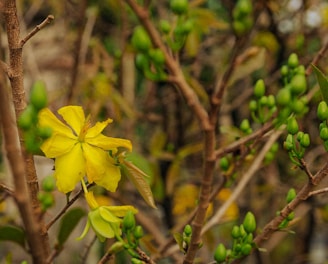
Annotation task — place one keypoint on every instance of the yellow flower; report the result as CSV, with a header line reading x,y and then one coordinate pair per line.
x,y
105,220
80,149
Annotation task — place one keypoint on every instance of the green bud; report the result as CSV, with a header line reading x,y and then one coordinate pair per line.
x,y
187,27
138,232
46,199
324,133
293,60
45,132
220,253
245,7
242,231
237,248
48,183
165,26
116,247
322,111
235,233
246,249
187,230
298,84
291,216
283,96
288,146
263,100
290,195
244,126
129,221
305,140
27,118
284,70
271,101
249,238
298,106
252,105
299,135
292,126
142,61
157,56
224,164
259,88
179,7
140,39
249,222
38,95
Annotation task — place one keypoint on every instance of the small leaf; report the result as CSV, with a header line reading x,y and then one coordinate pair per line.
x,y
323,82
179,239
68,223
137,177
13,233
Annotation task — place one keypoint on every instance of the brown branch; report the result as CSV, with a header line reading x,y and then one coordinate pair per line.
x,y
305,168
6,189
302,195
221,85
44,23
15,75
172,65
244,140
16,161
316,192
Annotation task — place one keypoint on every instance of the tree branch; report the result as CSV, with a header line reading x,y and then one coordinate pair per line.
x,y
44,23
16,161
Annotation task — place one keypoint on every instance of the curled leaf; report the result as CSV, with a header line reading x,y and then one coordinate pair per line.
x,y
138,178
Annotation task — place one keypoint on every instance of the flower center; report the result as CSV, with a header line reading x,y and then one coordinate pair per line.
x,y
84,129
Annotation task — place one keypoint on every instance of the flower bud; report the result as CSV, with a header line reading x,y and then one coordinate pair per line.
x,y
249,222
220,253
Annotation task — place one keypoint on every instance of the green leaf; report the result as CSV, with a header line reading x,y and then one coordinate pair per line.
x,y
138,178
179,239
323,82
13,233
68,223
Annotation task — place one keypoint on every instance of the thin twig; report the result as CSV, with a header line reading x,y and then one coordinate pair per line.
x,y
144,257
87,249
321,191
244,140
43,24
243,182
68,205
6,189
305,168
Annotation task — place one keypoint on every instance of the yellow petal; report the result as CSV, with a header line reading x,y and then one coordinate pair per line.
x,y
69,169
121,211
100,226
91,200
98,128
108,143
74,117
108,215
48,119
85,231
57,145
101,168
